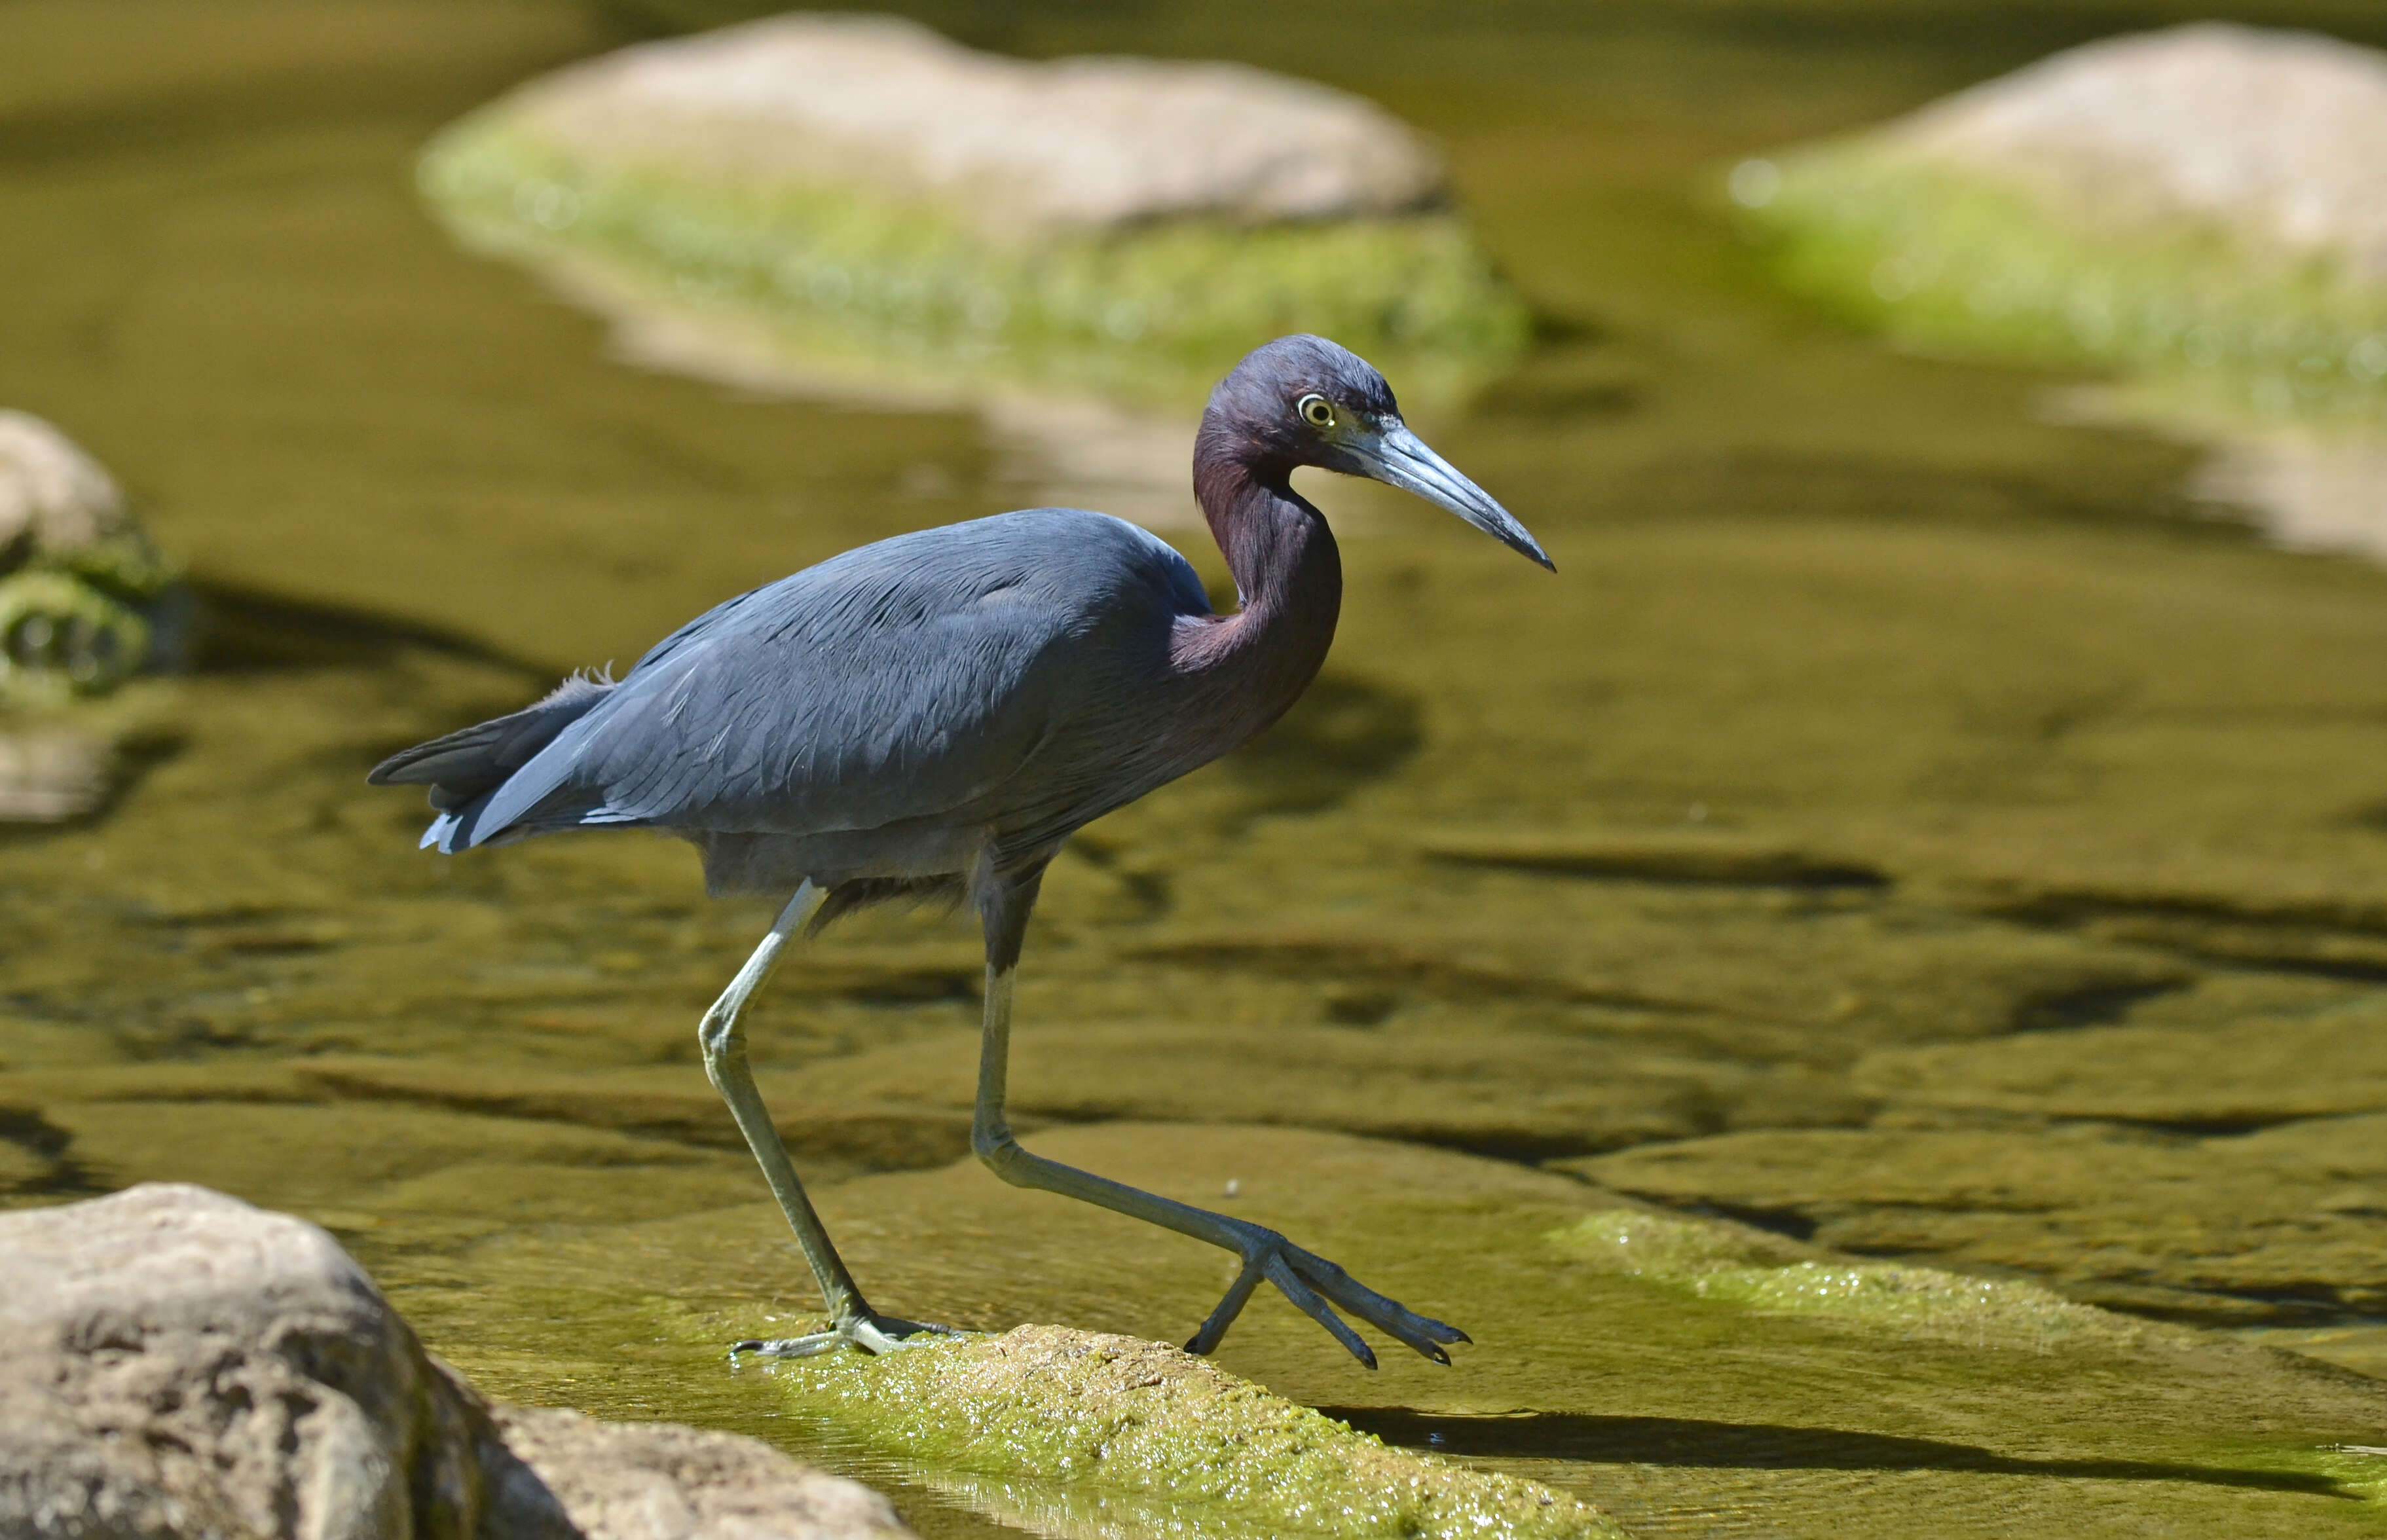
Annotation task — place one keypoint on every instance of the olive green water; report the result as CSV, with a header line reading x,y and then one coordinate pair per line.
x,y
1900,823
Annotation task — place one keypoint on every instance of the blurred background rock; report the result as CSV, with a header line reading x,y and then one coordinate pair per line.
x,y
2196,209
85,603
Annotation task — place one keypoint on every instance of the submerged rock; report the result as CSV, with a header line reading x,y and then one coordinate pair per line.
x,y
1771,1275
173,1361
51,773
2277,1227
897,209
656,1481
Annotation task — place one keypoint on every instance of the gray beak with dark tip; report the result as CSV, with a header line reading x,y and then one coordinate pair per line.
x,y
1399,458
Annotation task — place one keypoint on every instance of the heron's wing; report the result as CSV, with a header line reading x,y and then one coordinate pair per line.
x,y
911,679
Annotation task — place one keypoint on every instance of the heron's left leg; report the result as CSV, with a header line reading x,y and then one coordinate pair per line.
x,y
855,1323
1309,1281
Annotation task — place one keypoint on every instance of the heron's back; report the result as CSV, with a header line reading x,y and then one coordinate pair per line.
x,y
880,715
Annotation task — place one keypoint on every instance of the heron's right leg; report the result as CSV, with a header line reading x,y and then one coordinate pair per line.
x,y
1303,1277
855,1324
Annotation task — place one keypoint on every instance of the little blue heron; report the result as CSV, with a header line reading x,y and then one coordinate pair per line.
x,y
934,715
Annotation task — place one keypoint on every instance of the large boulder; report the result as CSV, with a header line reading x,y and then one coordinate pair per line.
x,y
2277,136
174,1362
889,205
886,108
2200,202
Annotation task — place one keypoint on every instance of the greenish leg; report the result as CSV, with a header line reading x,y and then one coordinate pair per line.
x,y
1309,1281
855,1323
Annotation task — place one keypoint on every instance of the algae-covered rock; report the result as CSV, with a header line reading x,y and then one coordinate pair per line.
x,y
2278,1227
1144,1419
1767,1273
81,595
2202,203
76,573
865,194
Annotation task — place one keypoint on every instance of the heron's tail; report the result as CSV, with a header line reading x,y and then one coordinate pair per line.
x,y
472,761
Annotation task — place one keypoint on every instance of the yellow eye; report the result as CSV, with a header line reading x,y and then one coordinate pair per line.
x,y
1315,411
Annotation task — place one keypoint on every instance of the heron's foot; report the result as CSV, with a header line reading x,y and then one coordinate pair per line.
x,y
865,1331
1310,1281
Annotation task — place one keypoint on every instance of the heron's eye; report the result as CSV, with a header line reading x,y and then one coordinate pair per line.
x,y
1315,411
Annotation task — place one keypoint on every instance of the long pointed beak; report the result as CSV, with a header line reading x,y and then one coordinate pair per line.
x,y
1399,458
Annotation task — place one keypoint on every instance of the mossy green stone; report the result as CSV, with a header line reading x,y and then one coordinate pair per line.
x,y
1155,313
1766,1274
1074,1407
1953,261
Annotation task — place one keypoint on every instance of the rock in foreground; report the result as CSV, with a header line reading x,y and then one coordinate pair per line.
x,y
874,197
1140,1419
173,1362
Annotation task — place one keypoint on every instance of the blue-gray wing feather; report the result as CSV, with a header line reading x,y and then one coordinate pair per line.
x,y
931,676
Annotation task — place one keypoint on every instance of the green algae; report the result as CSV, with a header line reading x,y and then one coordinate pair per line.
x,y
1966,263
65,636
2272,1227
1071,1408
893,291
1762,1273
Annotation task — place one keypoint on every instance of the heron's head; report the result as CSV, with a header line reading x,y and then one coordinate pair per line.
x,y
1303,400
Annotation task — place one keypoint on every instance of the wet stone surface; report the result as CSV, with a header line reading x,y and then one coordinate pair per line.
x,y
1892,828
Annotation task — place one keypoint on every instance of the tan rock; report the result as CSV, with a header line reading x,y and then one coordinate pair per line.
x,y
53,496
2276,135
657,1481
889,106
174,1362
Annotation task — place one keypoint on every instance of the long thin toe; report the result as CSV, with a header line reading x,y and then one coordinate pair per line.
x,y
1387,1314
1239,1294
1280,1273
1412,1332
1424,1347
872,1336
789,1347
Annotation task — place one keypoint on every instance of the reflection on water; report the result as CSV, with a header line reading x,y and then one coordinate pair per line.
x,y
2310,493
2316,484
1878,747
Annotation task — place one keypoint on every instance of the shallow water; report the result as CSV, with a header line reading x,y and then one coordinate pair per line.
x,y
1905,821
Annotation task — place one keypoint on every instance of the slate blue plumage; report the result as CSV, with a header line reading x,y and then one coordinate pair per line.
x,y
989,675
940,712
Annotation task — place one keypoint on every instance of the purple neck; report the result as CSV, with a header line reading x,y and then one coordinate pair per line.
x,y
1285,566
